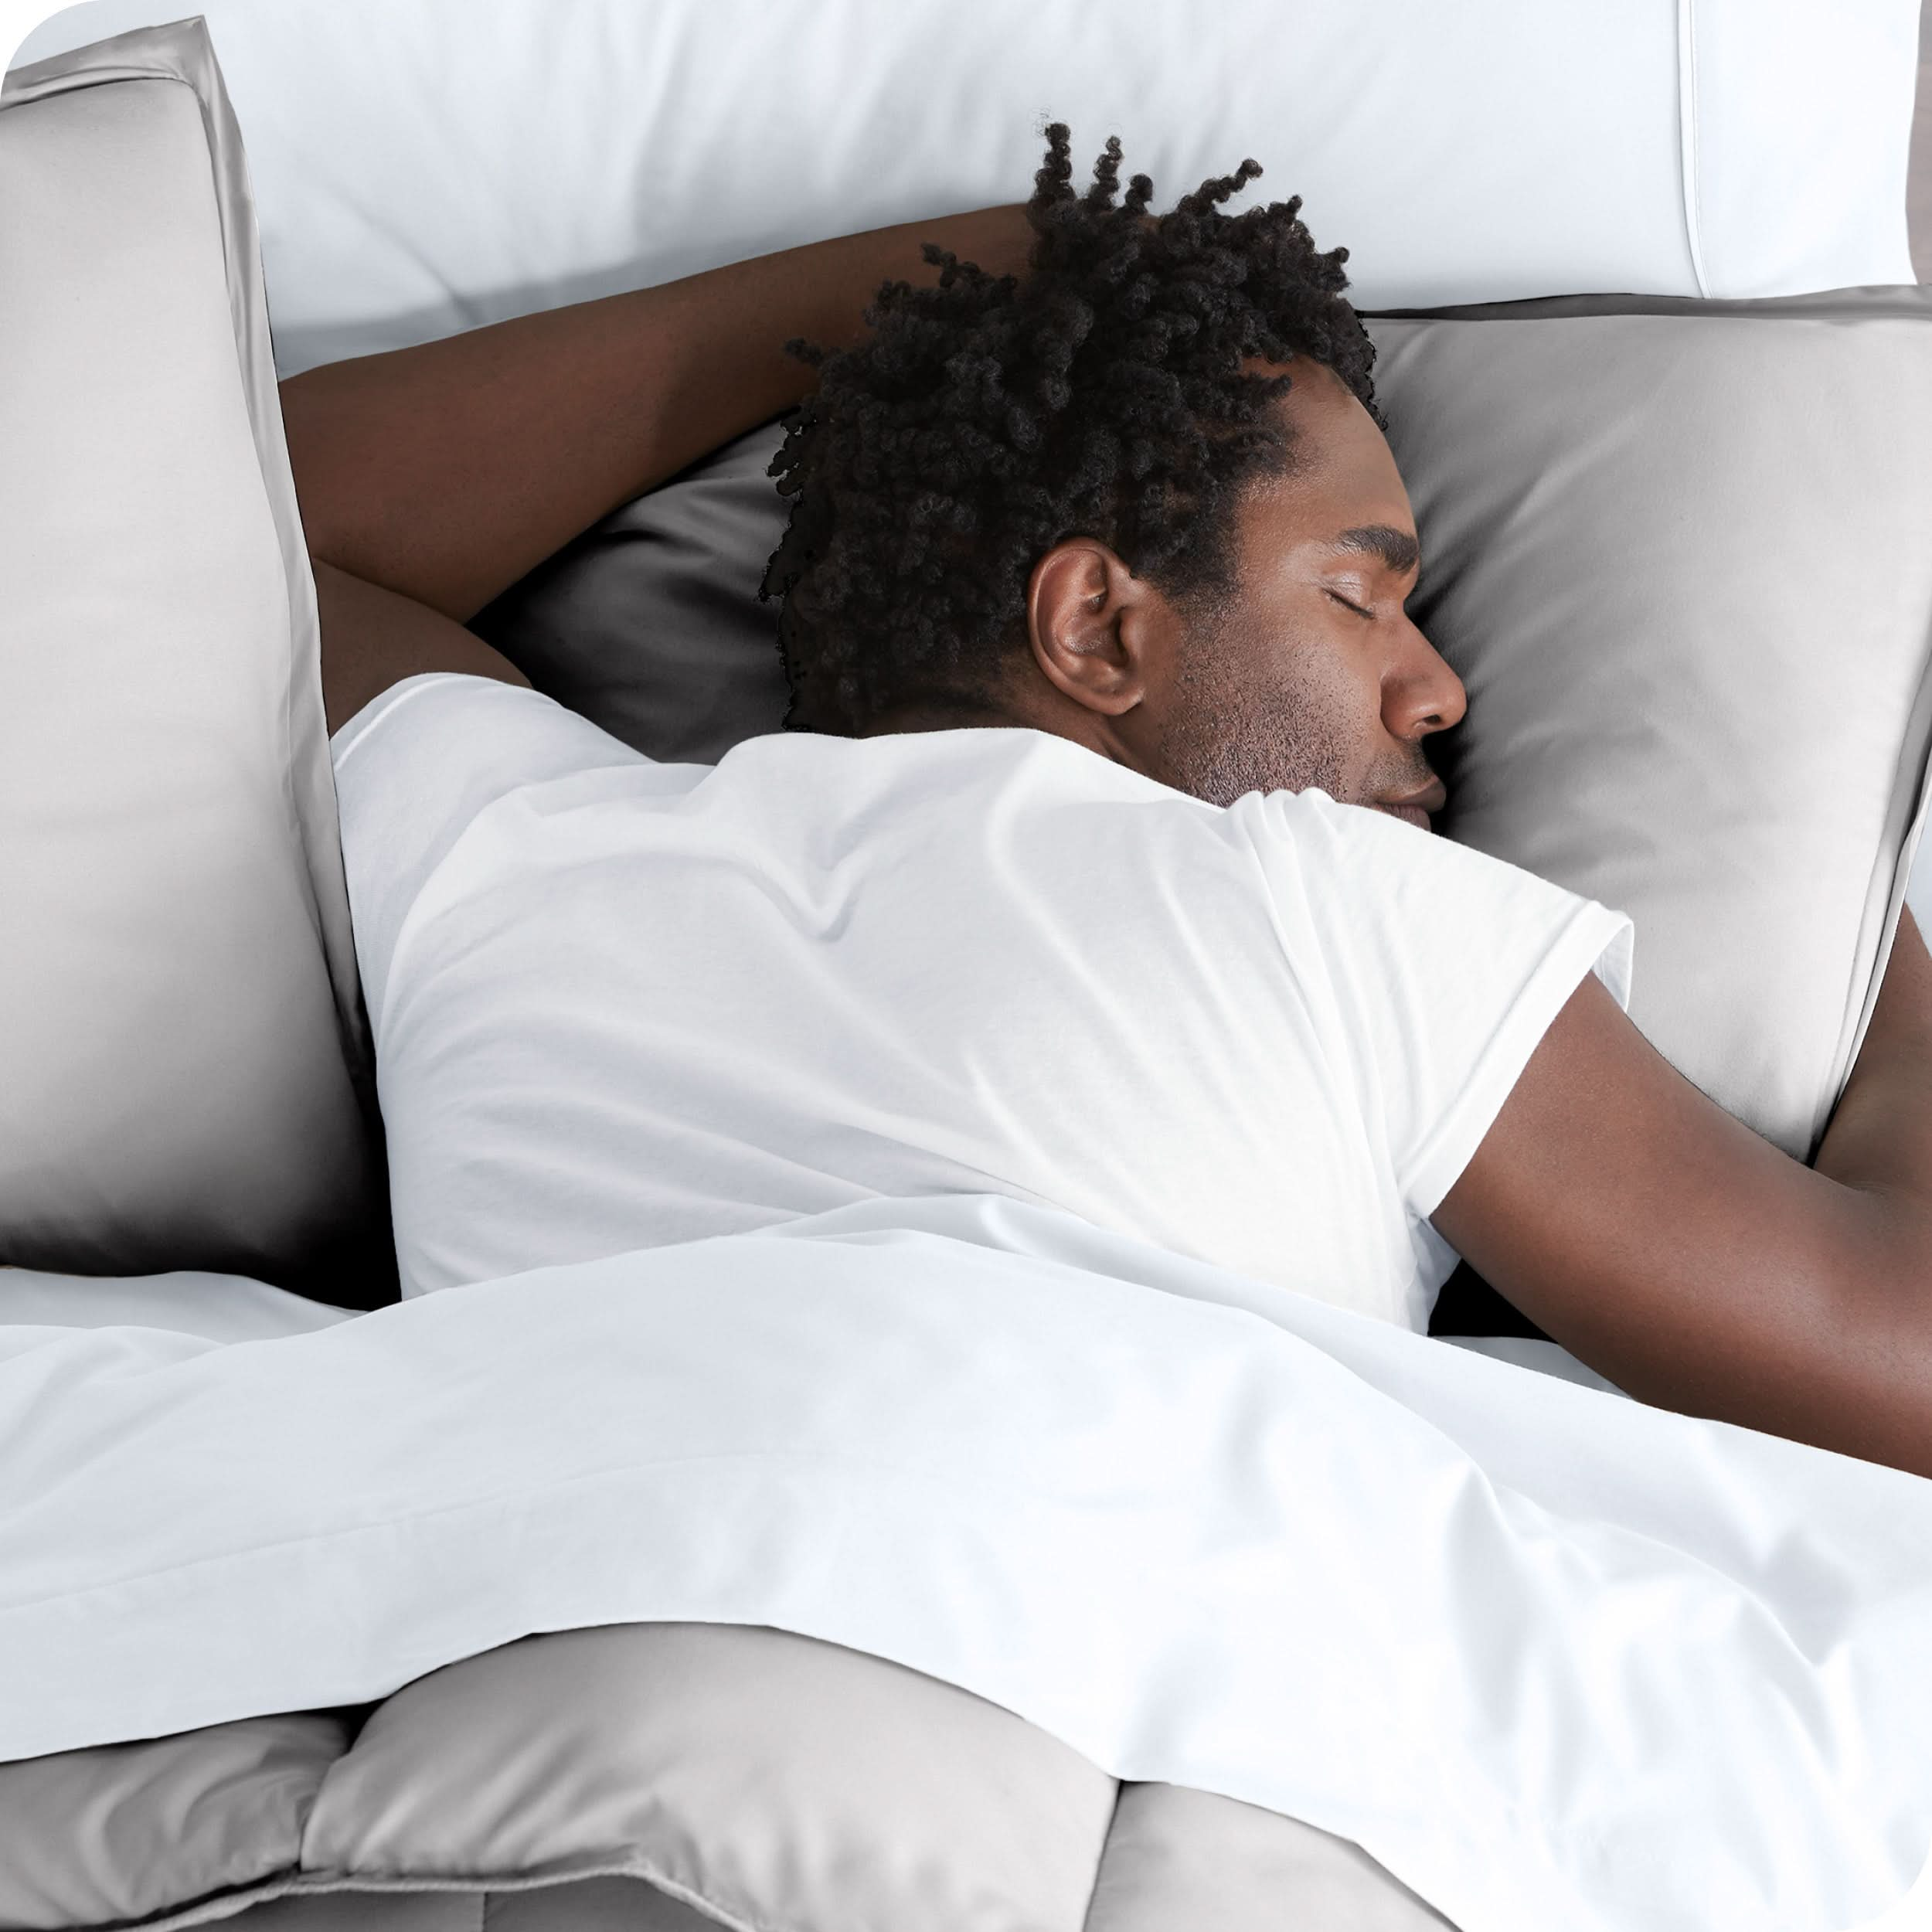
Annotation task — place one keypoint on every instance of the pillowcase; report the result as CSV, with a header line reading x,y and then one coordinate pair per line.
x,y
185,1057
650,623
425,165
1676,551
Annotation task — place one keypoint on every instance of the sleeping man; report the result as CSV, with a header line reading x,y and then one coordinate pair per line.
x,y
1094,867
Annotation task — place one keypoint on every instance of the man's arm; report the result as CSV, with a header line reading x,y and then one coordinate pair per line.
x,y
444,472
372,638
1665,1244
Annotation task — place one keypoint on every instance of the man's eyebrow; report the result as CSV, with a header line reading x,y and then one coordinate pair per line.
x,y
1397,549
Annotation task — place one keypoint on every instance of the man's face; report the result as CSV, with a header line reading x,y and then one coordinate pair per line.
x,y
1310,673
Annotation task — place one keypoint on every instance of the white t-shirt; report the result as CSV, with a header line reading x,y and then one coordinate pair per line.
x,y
618,1003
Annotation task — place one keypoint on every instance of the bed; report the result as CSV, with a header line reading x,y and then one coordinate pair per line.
x,y
326,1606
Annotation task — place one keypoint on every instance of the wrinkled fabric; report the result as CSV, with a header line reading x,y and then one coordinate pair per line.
x,y
1547,1654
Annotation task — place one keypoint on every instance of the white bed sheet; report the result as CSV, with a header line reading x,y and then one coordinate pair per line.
x,y
234,1308
1552,1656
218,1307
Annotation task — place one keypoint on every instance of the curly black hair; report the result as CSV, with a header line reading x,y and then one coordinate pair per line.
x,y
984,420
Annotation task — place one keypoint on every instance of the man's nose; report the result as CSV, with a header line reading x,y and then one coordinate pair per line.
x,y
1430,696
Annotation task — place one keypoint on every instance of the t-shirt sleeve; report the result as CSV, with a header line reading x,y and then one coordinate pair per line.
x,y
1444,967
416,766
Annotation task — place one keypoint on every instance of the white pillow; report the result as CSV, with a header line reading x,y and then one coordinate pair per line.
x,y
422,166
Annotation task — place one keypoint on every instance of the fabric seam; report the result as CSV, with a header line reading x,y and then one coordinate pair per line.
x,y
1687,137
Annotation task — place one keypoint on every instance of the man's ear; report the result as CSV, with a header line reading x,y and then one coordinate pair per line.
x,y
1091,623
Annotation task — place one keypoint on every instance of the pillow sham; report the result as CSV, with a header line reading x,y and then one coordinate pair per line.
x,y
425,165
185,1057
1675,550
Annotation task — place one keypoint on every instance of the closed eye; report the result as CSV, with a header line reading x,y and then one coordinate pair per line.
x,y
1347,605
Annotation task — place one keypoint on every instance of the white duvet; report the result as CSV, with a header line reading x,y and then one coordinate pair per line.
x,y
1556,1658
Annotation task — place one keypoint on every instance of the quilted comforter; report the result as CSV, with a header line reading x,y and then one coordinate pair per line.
x,y
649,1777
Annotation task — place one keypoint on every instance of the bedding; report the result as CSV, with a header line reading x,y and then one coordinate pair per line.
x,y
425,165
186,1062
1566,1659
223,1307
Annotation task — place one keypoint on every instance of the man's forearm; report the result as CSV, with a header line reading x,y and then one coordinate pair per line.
x,y
446,471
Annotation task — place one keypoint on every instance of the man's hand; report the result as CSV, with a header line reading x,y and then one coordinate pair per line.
x,y
444,472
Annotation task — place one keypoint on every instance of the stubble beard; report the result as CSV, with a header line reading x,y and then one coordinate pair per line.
x,y
1232,732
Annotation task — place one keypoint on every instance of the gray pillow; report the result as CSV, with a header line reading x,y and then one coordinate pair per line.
x,y
184,1053
1676,551
649,623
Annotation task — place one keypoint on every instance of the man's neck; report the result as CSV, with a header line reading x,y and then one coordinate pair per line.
x,y
952,714
943,717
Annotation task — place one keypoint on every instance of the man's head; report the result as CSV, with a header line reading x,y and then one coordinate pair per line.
x,y
1139,497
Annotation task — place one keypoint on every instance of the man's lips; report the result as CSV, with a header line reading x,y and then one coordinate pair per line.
x,y
1416,806
1414,814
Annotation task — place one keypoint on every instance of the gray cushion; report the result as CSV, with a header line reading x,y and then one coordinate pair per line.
x,y
1675,550
184,1054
